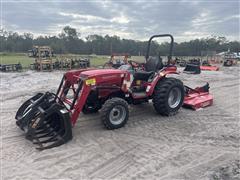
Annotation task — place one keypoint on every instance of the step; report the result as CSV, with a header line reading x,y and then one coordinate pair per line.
x,y
139,94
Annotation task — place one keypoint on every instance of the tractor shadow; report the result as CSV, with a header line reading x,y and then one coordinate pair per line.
x,y
137,113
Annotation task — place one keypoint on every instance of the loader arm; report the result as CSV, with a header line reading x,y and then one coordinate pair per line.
x,y
79,101
80,94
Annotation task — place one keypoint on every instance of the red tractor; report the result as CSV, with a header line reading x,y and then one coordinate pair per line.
x,y
47,119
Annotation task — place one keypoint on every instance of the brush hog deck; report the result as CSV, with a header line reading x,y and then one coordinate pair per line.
x,y
198,97
45,122
209,68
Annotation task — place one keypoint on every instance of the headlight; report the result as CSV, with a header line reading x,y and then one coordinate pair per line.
x,y
148,88
162,74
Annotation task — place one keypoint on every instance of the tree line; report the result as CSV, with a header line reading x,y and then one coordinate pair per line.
x,y
69,41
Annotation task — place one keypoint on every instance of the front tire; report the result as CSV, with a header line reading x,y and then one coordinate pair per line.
x,y
114,113
168,96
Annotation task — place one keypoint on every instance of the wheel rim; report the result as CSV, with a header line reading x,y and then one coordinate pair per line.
x,y
174,97
117,115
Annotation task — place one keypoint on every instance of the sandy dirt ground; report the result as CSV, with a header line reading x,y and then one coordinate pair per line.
x,y
191,145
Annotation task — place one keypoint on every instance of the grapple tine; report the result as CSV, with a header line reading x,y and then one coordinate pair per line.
x,y
52,145
46,140
46,134
43,130
51,135
46,144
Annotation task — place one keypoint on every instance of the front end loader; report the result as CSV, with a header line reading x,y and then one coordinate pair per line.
x,y
47,118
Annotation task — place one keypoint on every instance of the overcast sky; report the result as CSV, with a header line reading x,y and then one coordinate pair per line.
x,y
136,19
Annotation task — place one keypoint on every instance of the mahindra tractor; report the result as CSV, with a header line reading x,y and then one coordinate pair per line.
x,y
47,118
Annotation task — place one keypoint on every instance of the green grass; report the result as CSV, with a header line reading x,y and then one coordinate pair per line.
x,y
14,58
99,60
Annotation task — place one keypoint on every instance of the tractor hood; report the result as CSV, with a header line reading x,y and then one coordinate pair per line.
x,y
102,72
107,77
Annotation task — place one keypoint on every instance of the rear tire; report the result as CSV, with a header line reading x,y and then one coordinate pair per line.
x,y
168,96
114,113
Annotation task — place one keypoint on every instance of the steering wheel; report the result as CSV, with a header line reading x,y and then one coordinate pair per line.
x,y
136,65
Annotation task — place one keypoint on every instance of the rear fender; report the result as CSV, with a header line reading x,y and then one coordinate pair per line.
x,y
160,75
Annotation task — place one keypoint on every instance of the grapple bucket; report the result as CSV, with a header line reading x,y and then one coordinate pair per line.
x,y
45,121
198,97
192,69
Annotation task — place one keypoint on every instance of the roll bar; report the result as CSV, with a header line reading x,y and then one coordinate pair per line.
x,y
161,35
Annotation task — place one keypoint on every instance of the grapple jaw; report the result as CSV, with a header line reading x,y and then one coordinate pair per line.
x,y
45,121
198,97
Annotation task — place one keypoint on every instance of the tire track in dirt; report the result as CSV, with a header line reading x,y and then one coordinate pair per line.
x,y
112,167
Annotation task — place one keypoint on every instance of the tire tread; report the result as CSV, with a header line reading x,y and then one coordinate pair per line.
x,y
105,112
160,95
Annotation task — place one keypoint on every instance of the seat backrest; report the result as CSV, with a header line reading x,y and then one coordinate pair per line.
x,y
154,64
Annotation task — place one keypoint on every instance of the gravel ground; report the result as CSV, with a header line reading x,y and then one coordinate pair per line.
x,y
201,144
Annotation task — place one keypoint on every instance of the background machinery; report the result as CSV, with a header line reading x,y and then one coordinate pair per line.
x,y
43,58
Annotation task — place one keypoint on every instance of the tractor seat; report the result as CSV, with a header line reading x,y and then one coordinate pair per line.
x,y
152,65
